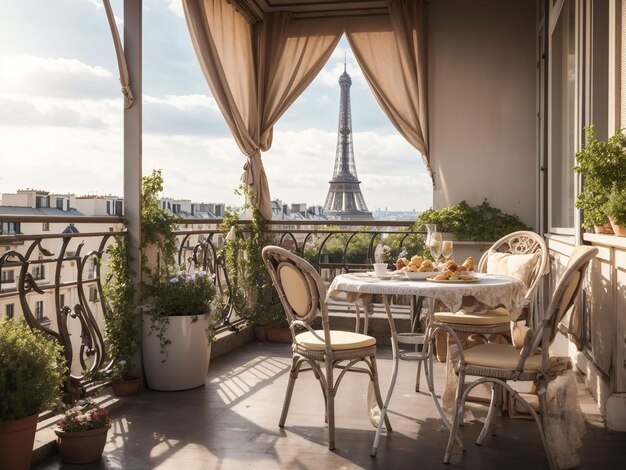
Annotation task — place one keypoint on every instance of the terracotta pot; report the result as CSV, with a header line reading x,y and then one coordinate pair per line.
x,y
259,333
619,230
81,447
186,360
278,335
603,229
16,442
126,388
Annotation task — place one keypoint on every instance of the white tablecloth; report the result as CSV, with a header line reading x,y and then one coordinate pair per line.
x,y
491,290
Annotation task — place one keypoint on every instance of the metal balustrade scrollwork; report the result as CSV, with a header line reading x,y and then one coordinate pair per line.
x,y
56,282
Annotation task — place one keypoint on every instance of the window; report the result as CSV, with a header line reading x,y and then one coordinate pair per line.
x,y
7,276
39,272
91,272
42,201
10,310
63,204
93,294
562,134
45,227
10,228
39,310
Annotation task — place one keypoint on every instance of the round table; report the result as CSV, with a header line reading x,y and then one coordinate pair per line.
x,y
490,290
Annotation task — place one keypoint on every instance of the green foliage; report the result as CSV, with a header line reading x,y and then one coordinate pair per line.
x,y
32,371
158,228
601,163
616,204
252,292
186,293
157,225
121,322
479,223
359,244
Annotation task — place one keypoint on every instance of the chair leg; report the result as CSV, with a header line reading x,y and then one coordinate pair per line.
x,y
379,397
490,414
293,375
417,377
458,415
330,404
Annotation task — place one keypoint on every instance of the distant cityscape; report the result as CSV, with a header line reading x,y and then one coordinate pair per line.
x,y
28,202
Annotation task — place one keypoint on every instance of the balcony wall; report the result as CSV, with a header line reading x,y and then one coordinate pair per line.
x,y
482,103
602,360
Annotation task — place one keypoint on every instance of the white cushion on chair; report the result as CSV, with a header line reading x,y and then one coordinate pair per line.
x,y
499,356
340,340
489,317
508,264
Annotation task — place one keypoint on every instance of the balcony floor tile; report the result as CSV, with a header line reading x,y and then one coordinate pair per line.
x,y
232,423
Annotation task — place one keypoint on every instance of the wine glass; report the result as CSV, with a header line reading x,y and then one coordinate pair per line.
x,y
446,249
434,245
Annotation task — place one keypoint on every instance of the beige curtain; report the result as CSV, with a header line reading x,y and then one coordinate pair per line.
x,y
256,72
391,52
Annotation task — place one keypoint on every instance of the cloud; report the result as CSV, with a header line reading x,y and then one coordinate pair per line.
x,y
176,6
20,113
183,114
55,77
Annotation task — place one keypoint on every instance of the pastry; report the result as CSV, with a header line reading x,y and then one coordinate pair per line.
x,y
417,260
469,263
441,277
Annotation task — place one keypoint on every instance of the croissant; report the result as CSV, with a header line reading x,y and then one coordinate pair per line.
x,y
417,260
469,263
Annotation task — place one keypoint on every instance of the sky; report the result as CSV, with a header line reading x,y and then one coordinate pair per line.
x,y
61,116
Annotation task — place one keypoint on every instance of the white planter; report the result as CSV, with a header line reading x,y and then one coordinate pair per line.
x,y
186,361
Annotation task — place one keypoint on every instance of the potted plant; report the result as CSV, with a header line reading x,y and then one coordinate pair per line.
x,y
616,209
178,328
481,223
121,321
32,372
252,292
82,433
601,164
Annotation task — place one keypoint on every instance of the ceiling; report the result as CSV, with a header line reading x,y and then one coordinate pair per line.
x,y
253,10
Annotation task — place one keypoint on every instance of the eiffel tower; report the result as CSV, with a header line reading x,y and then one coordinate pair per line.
x,y
345,199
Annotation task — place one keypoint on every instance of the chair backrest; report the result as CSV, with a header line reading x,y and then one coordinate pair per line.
x,y
300,288
522,243
563,298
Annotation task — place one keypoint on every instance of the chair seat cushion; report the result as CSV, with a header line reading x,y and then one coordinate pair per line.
x,y
499,356
495,316
340,340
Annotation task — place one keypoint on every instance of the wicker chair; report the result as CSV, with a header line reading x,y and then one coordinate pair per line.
x,y
302,294
498,363
498,320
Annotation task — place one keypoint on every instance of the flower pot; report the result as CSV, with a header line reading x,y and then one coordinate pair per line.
x,y
259,333
185,363
126,388
619,230
16,442
83,446
603,229
278,335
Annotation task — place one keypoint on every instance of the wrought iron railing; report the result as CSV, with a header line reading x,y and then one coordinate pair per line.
x,y
55,281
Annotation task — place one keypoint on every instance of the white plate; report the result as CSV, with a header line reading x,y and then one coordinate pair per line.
x,y
386,276
413,276
458,281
